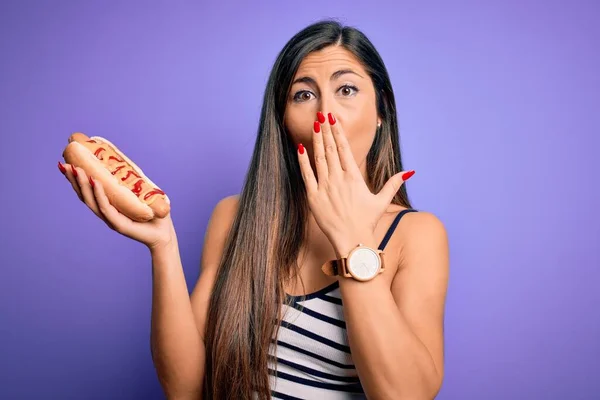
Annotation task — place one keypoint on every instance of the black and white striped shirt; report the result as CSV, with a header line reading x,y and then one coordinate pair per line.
x,y
313,358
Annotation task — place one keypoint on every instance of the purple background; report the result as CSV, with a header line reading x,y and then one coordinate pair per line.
x,y
499,112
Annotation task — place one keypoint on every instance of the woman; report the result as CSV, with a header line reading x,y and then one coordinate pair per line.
x,y
325,176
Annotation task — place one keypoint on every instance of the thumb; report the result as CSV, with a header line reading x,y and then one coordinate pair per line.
x,y
392,186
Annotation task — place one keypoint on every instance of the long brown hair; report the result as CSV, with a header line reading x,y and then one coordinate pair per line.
x,y
263,246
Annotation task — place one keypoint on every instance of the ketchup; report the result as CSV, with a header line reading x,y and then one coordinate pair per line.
x,y
137,187
117,159
153,192
100,150
137,190
129,173
118,169
97,153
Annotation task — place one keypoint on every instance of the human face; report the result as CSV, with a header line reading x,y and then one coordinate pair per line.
x,y
332,80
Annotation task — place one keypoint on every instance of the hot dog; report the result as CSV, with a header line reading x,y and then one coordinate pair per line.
x,y
126,186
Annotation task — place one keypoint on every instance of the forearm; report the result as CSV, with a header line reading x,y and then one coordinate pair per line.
x,y
177,348
390,359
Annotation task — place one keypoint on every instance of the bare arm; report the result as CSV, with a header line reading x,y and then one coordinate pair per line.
x,y
397,346
178,320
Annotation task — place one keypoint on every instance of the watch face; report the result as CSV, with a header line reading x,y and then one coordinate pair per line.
x,y
364,263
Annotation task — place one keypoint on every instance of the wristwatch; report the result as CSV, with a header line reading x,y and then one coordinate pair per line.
x,y
362,263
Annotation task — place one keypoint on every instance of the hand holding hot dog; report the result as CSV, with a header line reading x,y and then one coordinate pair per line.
x,y
117,191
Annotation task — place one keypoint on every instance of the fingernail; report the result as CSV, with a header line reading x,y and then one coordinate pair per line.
x,y
331,119
74,171
91,181
317,127
61,167
407,175
301,148
321,117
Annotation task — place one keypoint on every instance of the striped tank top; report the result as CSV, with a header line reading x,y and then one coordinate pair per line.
x,y
313,357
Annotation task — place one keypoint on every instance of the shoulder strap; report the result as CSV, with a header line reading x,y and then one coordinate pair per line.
x,y
391,229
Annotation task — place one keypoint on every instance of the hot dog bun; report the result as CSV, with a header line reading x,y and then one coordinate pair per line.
x,y
126,186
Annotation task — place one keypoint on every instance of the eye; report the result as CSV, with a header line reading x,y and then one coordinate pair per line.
x,y
302,96
348,90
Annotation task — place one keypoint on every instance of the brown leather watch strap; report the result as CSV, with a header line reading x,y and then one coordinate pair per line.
x,y
336,267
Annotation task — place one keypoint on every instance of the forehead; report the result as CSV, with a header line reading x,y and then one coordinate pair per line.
x,y
329,60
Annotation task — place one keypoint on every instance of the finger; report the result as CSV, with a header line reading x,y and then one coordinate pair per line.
x,y
62,168
347,161
319,149
111,215
87,192
333,160
392,186
310,181
71,175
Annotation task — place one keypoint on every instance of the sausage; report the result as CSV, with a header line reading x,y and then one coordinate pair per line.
x,y
126,186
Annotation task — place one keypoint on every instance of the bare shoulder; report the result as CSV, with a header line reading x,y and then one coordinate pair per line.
x,y
222,215
423,235
417,226
227,206
217,231
423,224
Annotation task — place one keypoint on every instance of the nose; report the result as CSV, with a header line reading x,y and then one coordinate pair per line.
x,y
328,104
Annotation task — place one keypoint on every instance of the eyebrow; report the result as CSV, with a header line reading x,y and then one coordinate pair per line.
x,y
335,75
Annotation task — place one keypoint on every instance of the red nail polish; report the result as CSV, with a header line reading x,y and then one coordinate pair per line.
x,y
317,127
91,181
407,175
321,117
301,148
331,119
74,171
61,167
